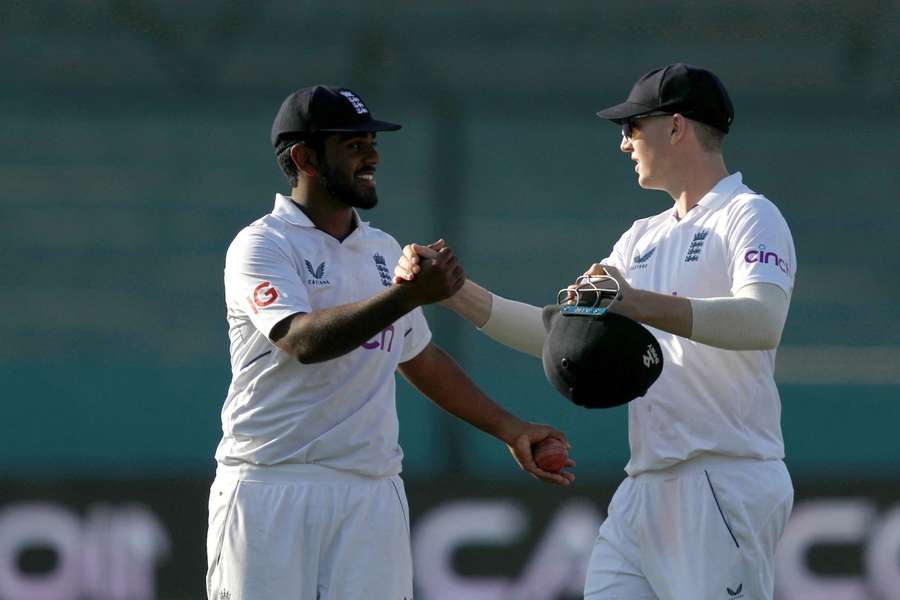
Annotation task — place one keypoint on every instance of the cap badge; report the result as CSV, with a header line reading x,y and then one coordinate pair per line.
x,y
355,101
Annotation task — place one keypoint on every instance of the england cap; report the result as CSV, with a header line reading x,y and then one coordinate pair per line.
x,y
599,362
692,91
324,109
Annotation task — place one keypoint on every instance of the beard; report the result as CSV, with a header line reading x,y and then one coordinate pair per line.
x,y
343,190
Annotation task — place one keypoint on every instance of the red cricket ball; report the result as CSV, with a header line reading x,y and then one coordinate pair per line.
x,y
550,454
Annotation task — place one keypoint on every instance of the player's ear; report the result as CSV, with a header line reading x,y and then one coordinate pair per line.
x,y
679,126
304,159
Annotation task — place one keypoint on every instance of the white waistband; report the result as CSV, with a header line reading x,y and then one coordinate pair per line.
x,y
700,463
288,472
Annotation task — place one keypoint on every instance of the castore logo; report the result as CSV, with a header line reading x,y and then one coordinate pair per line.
x,y
318,274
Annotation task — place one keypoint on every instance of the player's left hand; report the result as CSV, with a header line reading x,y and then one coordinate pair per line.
x,y
625,305
520,442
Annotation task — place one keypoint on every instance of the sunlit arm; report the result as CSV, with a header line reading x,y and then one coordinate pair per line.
x,y
331,332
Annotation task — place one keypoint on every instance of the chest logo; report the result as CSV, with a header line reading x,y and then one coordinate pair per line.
x,y
383,271
318,274
640,260
696,247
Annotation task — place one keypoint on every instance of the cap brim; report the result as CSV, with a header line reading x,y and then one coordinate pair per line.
x,y
373,125
625,110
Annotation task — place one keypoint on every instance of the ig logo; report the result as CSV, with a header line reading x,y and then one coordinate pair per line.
x,y
263,295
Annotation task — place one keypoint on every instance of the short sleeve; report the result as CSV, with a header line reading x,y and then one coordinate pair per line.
x,y
760,246
416,335
618,256
261,282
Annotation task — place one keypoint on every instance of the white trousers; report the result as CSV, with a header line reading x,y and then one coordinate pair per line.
x,y
705,529
307,533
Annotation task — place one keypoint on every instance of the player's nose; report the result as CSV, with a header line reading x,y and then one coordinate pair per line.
x,y
625,145
371,156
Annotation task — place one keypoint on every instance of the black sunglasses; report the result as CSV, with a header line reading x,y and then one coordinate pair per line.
x,y
628,125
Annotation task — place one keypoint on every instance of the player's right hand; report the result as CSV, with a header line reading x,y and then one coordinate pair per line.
x,y
409,263
438,275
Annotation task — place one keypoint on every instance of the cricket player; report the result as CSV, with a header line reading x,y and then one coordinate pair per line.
x,y
307,502
707,494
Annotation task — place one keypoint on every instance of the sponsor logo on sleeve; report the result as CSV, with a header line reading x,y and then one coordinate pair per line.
x,y
263,295
383,341
760,255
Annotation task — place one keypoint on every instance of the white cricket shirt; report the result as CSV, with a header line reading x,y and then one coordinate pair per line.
x,y
340,413
708,399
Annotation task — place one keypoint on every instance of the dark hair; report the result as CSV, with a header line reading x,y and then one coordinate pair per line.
x,y
315,142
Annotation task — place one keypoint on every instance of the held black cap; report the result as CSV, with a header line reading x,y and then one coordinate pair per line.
x,y
692,91
324,109
599,362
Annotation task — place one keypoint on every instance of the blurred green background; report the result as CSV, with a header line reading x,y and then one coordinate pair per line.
x,y
135,146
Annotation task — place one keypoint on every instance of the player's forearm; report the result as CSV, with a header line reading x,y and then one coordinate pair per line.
x,y
753,319
517,325
666,313
331,332
437,376
511,323
472,302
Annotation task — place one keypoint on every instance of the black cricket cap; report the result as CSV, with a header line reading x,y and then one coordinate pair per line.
x,y
599,362
692,91
325,109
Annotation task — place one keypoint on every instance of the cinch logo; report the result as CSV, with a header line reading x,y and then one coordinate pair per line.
x,y
650,357
263,295
318,274
696,247
640,262
355,101
383,271
760,255
383,342
735,594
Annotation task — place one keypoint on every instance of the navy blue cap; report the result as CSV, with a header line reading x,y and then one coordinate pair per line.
x,y
599,362
692,91
324,109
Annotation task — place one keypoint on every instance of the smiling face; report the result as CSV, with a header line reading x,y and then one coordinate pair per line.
x,y
647,141
347,168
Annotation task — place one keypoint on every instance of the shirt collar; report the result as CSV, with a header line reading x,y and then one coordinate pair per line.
x,y
286,210
720,192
